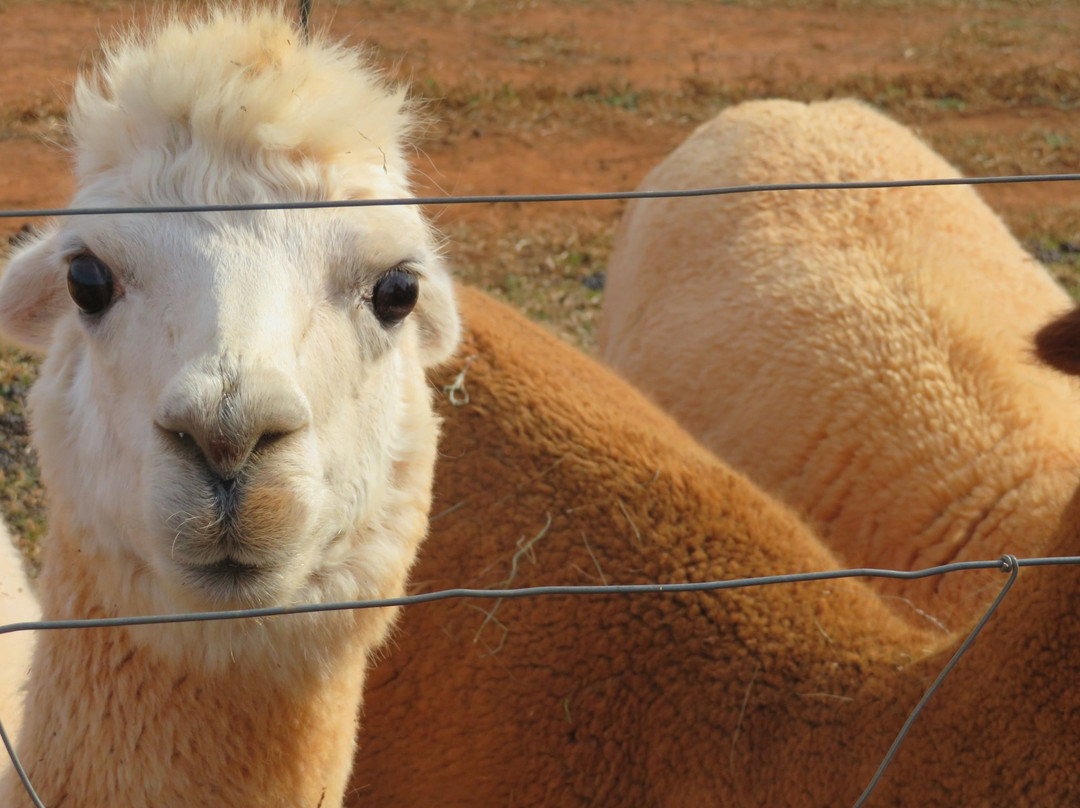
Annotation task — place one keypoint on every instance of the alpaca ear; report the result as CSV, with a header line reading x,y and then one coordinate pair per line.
x,y
33,294
1058,343
437,317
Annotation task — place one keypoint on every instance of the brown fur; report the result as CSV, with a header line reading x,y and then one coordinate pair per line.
x,y
865,356
783,695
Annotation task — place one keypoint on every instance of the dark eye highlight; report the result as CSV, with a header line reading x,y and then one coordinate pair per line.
x,y
90,283
395,295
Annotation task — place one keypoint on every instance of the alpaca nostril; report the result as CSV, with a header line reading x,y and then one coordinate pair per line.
x,y
178,439
267,441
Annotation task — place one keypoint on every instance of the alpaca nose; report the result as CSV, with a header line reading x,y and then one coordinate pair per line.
x,y
230,415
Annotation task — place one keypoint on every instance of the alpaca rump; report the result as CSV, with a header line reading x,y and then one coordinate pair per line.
x,y
863,355
232,412
555,472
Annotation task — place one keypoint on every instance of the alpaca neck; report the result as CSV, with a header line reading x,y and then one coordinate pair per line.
x,y
232,713
112,720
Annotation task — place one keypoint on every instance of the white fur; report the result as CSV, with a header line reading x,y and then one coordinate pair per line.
x,y
17,605
256,329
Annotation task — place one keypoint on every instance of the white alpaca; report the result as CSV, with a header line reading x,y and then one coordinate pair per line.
x,y
232,412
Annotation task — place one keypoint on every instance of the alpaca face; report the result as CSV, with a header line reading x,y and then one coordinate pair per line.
x,y
233,408
232,411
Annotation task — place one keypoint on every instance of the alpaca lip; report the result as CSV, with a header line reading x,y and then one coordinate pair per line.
x,y
227,579
229,566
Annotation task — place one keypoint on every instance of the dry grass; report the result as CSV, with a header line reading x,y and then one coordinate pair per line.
x,y
554,273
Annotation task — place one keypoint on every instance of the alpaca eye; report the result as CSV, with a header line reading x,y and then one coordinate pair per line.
x,y
394,296
90,283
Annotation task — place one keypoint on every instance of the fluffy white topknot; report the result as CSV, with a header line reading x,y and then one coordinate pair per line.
x,y
237,89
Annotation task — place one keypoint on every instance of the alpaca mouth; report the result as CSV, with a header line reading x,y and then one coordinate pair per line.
x,y
229,580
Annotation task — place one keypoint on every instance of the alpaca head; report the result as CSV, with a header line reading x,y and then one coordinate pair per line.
x,y
232,410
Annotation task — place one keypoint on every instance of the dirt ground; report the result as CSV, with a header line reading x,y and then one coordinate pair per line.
x,y
587,95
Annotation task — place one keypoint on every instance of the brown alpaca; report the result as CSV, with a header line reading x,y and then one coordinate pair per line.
x,y
863,355
785,695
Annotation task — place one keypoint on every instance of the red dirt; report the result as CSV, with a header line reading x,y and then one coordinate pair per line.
x,y
559,50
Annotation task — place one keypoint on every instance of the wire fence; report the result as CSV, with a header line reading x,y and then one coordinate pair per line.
x,y
1008,564
493,199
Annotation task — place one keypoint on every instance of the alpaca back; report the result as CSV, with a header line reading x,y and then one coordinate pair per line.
x,y
862,354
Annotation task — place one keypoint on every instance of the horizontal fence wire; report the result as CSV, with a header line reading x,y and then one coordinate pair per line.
x,y
533,592
599,196
1008,564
